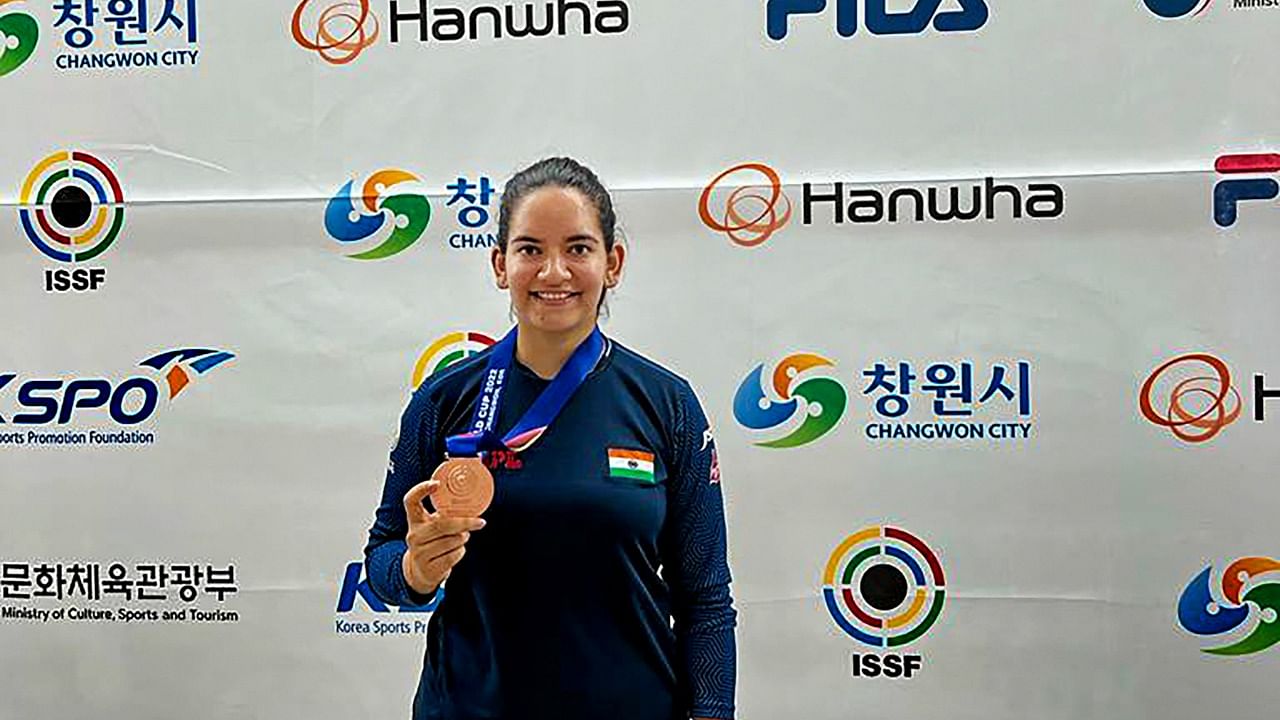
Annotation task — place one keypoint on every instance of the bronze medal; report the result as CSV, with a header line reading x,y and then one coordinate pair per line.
x,y
466,487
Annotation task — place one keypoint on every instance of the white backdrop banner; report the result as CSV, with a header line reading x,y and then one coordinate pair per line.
x,y
975,294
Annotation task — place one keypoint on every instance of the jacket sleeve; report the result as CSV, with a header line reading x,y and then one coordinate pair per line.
x,y
696,567
414,456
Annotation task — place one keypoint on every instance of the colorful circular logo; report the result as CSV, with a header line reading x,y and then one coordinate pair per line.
x,y
446,351
753,211
1239,600
1177,8
339,32
19,33
1192,396
71,206
884,587
349,221
798,377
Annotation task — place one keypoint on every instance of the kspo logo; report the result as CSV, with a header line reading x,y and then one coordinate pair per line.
x,y
354,584
1193,397
127,402
884,587
1230,192
972,15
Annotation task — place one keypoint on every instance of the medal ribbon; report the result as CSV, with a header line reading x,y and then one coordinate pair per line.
x,y
540,414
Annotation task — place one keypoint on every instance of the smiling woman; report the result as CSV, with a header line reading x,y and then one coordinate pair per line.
x,y
557,255
598,586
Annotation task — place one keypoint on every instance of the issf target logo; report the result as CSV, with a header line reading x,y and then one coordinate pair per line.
x,y
885,588
390,213
71,207
1239,608
447,350
19,33
797,404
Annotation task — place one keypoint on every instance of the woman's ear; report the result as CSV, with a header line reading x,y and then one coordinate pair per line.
x,y
617,258
498,260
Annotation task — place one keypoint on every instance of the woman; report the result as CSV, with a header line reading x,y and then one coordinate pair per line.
x,y
604,528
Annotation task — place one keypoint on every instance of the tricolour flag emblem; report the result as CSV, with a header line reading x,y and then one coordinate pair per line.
x,y
631,464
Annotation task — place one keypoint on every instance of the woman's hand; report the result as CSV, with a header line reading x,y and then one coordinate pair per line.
x,y
436,543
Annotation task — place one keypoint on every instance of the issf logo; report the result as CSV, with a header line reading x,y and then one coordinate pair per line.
x,y
879,20
885,588
447,350
796,405
1235,185
387,217
124,403
1241,606
19,34
71,208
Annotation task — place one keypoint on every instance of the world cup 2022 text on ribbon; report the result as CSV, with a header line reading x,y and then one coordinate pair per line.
x,y
466,485
540,414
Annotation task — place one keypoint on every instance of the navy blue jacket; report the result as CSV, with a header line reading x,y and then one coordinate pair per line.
x,y
564,603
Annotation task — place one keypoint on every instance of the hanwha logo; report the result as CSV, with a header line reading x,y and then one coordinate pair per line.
x,y
884,586
1192,396
339,32
71,206
752,211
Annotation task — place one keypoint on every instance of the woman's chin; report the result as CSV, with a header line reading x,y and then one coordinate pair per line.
x,y
558,321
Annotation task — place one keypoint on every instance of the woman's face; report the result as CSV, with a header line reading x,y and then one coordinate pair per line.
x,y
556,265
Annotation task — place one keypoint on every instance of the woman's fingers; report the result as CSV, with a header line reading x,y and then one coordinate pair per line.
x,y
433,548
414,510
440,567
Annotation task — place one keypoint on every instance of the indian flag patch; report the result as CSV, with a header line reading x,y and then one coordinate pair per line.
x,y
631,464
